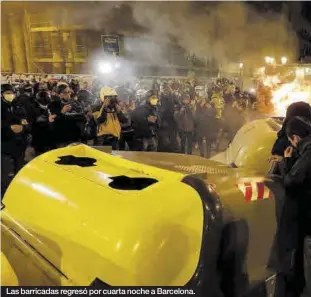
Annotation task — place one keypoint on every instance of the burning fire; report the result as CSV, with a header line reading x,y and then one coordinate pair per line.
x,y
284,94
271,81
287,94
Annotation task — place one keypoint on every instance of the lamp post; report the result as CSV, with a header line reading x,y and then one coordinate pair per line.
x,y
241,65
283,60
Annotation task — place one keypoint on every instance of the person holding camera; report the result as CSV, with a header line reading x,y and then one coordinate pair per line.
x,y
66,118
108,116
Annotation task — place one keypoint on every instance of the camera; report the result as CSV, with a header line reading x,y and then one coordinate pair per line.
x,y
112,106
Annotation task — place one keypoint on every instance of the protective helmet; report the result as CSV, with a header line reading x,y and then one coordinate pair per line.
x,y
141,93
106,92
7,87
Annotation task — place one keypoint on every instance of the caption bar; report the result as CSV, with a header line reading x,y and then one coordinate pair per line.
x,y
89,291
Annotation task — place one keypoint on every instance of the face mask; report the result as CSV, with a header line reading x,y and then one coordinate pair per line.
x,y
9,97
43,106
154,101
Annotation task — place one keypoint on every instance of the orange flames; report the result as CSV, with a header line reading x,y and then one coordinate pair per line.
x,y
287,94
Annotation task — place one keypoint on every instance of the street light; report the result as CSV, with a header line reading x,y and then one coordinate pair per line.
x,y
105,67
268,60
241,65
284,60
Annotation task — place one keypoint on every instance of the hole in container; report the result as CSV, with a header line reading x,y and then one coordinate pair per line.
x,y
77,161
131,183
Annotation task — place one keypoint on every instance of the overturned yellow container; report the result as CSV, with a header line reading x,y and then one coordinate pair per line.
x,y
88,215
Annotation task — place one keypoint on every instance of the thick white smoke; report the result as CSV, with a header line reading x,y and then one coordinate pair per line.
x,y
223,31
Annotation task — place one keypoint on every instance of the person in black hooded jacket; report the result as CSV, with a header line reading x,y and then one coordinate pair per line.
x,y
66,117
145,123
14,129
297,183
168,130
301,109
297,177
288,245
41,128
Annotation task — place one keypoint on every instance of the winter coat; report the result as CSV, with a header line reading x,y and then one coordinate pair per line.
x,y
293,213
11,143
41,128
301,109
205,122
66,128
185,119
108,123
142,127
167,112
297,182
282,142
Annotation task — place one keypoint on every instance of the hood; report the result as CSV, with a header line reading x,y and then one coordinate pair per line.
x,y
304,144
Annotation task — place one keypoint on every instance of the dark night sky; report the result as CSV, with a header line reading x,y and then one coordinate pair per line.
x,y
307,10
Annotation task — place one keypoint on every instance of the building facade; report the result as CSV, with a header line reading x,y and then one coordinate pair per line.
x,y
39,38
297,14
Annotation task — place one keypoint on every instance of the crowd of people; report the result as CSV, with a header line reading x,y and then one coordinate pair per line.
x,y
164,115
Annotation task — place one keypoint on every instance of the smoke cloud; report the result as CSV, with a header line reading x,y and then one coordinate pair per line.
x,y
224,31
227,32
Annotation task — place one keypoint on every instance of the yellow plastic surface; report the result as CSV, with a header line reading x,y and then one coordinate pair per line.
x,y
256,141
86,229
8,276
251,146
26,266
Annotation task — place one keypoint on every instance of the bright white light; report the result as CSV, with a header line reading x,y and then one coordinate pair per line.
x,y
252,90
283,60
300,73
48,192
105,67
268,60
241,65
